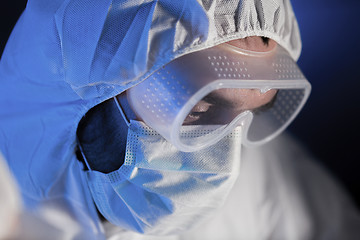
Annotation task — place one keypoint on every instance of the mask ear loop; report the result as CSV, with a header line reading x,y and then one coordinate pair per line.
x,y
83,155
121,110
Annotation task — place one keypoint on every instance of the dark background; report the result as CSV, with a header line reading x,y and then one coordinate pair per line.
x,y
328,125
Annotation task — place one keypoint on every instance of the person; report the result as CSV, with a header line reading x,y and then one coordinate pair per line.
x,y
76,134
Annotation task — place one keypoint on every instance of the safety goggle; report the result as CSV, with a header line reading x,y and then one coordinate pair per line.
x,y
212,91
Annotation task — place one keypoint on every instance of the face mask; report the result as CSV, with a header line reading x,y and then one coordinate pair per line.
x,y
160,190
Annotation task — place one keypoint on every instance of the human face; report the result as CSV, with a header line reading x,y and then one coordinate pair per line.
x,y
249,82
238,100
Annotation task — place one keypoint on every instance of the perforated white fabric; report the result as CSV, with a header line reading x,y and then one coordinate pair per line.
x,y
109,46
66,56
160,190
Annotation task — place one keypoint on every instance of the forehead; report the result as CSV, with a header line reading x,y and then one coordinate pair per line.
x,y
254,43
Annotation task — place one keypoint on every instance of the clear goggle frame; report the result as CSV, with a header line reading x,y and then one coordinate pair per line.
x,y
214,90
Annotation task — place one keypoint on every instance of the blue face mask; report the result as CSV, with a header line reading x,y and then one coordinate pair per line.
x,y
160,190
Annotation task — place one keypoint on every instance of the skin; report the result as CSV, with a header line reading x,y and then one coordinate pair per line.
x,y
236,100
254,44
108,156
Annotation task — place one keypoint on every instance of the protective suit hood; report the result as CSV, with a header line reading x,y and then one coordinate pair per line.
x,y
101,48
66,56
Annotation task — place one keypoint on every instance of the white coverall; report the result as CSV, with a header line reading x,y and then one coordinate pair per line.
x,y
66,56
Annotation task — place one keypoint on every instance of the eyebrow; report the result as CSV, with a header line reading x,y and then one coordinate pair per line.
x,y
212,98
265,40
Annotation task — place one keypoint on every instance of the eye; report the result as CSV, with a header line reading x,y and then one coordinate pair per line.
x,y
197,112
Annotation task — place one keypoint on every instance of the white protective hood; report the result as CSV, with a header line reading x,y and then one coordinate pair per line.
x,y
108,46
66,56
